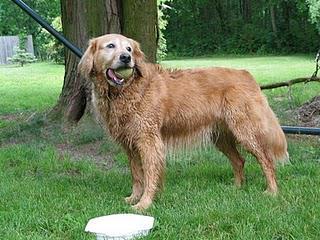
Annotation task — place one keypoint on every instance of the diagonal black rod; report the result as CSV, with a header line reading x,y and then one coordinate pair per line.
x,y
47,26
77,51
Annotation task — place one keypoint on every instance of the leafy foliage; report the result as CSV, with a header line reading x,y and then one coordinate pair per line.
x,y
162,24
13,21
204,27
314,10
53,48
22,57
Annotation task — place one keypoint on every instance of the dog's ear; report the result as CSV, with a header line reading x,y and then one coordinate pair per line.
x,y
85,66
139,57
137,53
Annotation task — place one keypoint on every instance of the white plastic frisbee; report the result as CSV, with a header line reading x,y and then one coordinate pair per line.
x,y
120,226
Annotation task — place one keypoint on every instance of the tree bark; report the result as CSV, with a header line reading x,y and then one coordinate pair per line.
x,y
73,25
87,19
140,22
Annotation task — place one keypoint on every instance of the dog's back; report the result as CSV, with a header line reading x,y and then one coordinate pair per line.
x,y
200,100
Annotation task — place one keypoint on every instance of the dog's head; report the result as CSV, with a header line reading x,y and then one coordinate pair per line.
x,y
108,55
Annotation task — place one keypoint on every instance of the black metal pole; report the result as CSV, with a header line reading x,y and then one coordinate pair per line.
x,y
301,130
47,26
77,51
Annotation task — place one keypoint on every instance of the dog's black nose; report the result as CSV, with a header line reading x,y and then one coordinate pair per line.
x,y
125,58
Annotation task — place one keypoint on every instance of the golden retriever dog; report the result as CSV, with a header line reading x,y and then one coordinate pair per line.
x,y
155,108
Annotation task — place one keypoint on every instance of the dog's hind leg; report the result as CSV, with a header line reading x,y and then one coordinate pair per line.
x,y
227,146
267,166
251,139
152,152
137,177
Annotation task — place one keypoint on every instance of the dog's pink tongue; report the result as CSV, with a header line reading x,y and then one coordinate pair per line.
x,y
112,75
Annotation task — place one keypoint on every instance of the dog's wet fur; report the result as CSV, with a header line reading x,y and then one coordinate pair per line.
x,y
156,108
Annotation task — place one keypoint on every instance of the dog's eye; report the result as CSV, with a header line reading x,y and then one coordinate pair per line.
x,y
111,45
129,49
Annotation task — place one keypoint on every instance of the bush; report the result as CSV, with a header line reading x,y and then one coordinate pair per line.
x,y
22,57
53,50
162,24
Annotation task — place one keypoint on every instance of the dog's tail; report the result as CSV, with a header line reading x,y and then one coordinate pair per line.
x,y
277,143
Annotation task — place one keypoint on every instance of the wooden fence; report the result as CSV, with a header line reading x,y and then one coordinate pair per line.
x,y
8,45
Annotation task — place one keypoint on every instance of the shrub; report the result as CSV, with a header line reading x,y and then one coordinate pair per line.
x,y
53,49
22,57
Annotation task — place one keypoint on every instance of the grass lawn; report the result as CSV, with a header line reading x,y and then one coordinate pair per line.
x,y
54,178
31,88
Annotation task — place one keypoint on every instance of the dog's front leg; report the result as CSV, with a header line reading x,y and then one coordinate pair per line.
x,y
152,154
137,177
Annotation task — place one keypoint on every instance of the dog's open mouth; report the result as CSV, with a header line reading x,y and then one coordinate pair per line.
x,y
120,75
114,77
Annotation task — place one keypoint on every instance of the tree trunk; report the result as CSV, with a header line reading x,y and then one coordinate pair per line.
x,y
273,19
246,10
286,9
82,20
274,25
221,14
140,22
73,25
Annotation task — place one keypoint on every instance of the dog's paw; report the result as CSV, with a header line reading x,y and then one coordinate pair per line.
x,y
131,200
270,193
141,206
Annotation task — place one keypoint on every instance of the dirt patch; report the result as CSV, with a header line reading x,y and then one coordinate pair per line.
x,y
81,141
11,117
309,113
87,151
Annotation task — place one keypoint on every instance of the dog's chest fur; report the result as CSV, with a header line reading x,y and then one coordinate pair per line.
x,y
126,113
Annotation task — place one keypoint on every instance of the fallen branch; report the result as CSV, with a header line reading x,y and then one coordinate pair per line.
x,y
289,83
